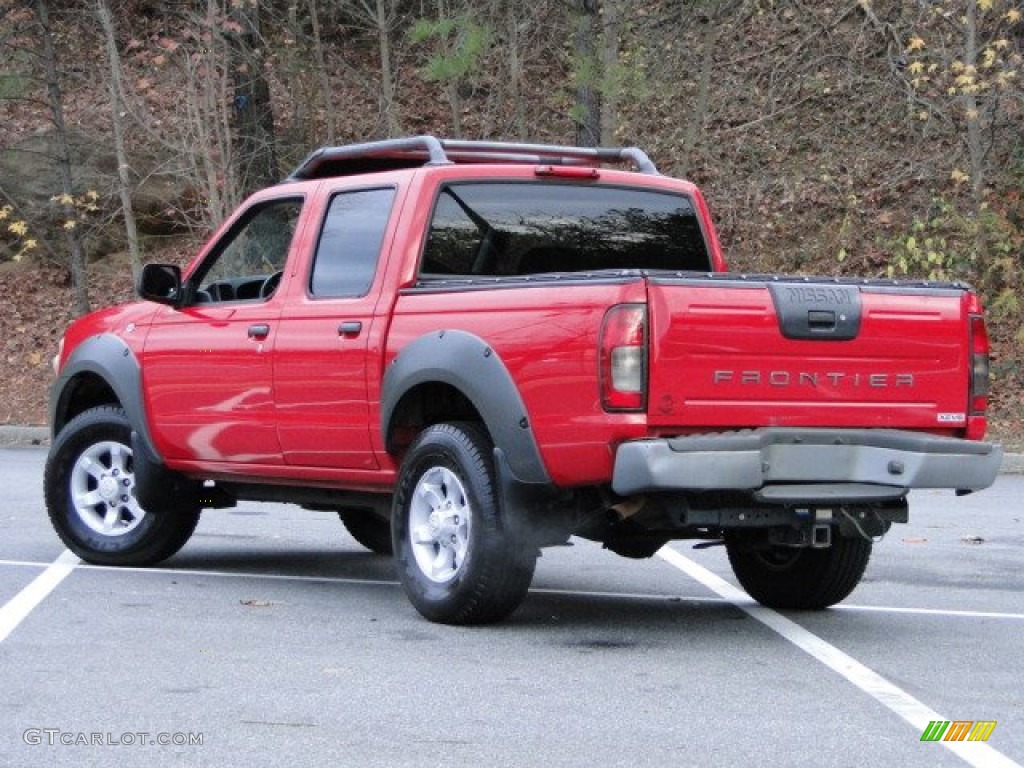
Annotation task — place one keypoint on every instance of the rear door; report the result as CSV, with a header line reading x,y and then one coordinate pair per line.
x,y
729,352
330,335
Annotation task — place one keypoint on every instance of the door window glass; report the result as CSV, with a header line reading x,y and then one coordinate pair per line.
x,y
350,243
248,264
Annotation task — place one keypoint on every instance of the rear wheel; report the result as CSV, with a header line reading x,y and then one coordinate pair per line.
x,y
461,559
802,578
89,483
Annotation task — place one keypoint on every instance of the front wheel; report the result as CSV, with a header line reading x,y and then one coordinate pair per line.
x,y
89,483
461,559
801,578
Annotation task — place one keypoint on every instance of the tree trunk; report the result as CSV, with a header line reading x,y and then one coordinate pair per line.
x,y
255,153
79,282
975,141
609,72
695,119
387,81
123,181
588,96
515,71
321,69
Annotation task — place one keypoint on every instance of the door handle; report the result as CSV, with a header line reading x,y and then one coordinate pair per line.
x,y
350,328
259,331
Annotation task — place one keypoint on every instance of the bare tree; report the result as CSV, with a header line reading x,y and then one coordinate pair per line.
x,y
587,111
255,150
72,236
382,16
321,69
117,121
609,71
514,28
710,18
976,145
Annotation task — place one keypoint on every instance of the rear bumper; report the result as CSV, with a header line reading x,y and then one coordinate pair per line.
x,y
801,465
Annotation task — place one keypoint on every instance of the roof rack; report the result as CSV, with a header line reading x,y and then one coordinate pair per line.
x,y
419,151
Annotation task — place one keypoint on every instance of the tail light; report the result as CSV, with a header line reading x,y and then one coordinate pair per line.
x,y
623,361
979,366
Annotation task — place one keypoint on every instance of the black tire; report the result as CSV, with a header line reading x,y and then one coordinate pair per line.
x,y
368,529
806,579
461,559
94,511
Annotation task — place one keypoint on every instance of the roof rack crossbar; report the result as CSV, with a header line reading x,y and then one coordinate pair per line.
x,y
388,147
433,151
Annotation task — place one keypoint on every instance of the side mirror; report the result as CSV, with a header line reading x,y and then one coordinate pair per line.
x,y
160,283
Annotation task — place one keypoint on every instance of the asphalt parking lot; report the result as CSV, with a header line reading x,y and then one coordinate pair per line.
x,y
273,638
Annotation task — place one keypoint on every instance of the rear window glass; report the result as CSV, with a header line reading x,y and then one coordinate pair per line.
x,y
521,229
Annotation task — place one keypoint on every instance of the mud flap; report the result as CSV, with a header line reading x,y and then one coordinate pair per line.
x,y
523,507
160,490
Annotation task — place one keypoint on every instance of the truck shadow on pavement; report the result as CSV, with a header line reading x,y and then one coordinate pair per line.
x,y
599,621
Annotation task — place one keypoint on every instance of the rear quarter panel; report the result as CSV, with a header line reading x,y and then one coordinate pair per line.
x,y
547,337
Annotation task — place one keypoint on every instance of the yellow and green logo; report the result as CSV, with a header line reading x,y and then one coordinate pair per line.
x,y
958,730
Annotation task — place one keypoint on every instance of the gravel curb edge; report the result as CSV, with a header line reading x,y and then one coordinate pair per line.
x,y
11,436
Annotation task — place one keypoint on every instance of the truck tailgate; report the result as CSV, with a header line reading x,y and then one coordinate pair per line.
x,y
730,351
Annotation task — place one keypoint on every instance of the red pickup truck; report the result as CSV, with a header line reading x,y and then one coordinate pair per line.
x,y
475,350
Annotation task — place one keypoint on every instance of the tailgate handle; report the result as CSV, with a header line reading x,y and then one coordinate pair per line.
x,y
821,320
823,311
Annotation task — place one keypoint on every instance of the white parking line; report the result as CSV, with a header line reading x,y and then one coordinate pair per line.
x,y
21,605
932,612
226,574
919,715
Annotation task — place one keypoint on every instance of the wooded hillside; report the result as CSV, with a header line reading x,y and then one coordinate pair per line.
x,y
869,137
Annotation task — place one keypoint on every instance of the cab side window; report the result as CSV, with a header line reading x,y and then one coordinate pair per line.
x,y
247,265
349,246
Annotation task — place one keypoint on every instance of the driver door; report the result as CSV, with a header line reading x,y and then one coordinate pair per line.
x,y
208,365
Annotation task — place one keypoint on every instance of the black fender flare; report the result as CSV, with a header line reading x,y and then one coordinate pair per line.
x,y
467,363
109,358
